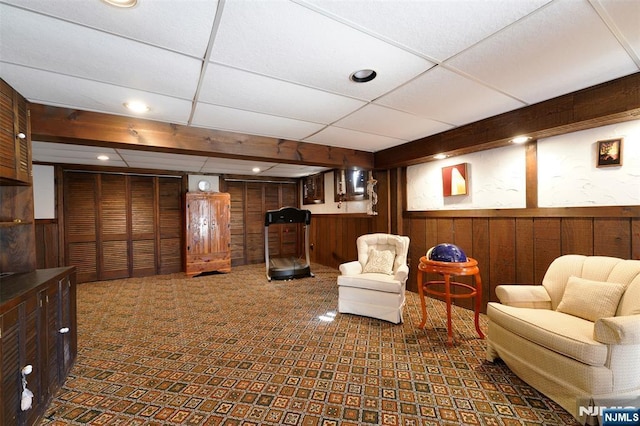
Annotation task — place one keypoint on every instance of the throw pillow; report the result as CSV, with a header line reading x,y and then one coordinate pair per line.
x,y
380,261
590,300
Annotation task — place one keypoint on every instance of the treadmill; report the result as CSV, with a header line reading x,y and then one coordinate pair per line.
x,y
287,268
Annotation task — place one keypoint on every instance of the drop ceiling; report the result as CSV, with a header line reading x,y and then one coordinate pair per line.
x,y
281,68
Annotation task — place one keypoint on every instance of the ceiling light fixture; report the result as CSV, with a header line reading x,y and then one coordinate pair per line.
x,y
103,157
256,170
363,76
520,139
440,156
136,106
121,3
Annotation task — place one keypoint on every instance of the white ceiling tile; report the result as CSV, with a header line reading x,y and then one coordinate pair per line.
x,y
234,120
244,90
83,52
464,101
74,154
166,165
171,24
287,41
159,160
80,151
562,48
49,88
626,19
294,170
392,123
436,29
232,166
346,138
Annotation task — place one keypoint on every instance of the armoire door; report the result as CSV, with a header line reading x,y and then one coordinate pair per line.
x,y
207,233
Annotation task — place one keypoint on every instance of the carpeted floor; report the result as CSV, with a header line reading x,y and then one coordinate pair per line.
x,y
234,349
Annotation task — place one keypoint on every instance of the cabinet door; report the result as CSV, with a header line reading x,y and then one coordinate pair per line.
x,y
10,385
208,233
220,238
33,356
15,155
20,346
49,298
198,225
66,324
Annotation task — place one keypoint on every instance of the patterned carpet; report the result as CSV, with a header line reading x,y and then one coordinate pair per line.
x,y
234,349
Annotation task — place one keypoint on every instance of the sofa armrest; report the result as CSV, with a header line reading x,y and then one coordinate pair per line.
x,y
351,268
402,273
623,330
524,296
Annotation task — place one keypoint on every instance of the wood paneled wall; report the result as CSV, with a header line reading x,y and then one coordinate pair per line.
x,y
333,236
47,237
517,246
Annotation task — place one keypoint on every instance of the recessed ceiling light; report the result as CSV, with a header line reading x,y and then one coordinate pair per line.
x,y
362,76
440,156
103,157
256,169
520,139
121,3
136,106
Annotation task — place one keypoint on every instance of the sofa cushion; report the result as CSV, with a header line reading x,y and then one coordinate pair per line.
x,y
374,281
589,299
562,333
380,261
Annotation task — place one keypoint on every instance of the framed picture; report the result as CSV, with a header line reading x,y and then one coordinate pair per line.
x,y
454,180
313,189
609,153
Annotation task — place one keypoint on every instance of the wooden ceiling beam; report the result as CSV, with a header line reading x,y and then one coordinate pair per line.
x,y
64,125
608,103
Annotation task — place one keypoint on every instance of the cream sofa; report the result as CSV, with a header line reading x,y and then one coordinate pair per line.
x,y
576,337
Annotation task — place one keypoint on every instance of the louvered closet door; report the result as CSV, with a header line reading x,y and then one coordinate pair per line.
x,y
272,202
254,222
143,225
118,226
291,234
80,215
170,213
114,250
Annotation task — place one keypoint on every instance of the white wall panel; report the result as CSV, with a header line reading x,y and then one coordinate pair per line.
x,y
495,179
568,176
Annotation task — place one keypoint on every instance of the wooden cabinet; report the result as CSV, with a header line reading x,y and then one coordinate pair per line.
x,y
37,329
15,143
17,230
207,233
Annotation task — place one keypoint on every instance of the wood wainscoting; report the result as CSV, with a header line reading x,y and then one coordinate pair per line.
x,y
516,246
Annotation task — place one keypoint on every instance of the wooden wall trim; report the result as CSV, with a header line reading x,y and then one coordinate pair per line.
x,y
608,103
531,160
64,125
602,211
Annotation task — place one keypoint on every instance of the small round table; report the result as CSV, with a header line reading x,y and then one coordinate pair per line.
x,y
447,270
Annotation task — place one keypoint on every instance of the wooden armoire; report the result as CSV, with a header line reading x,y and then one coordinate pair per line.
x,y
207,232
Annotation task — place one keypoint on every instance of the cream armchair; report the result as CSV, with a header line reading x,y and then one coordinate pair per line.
x,y
576,337
374,285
